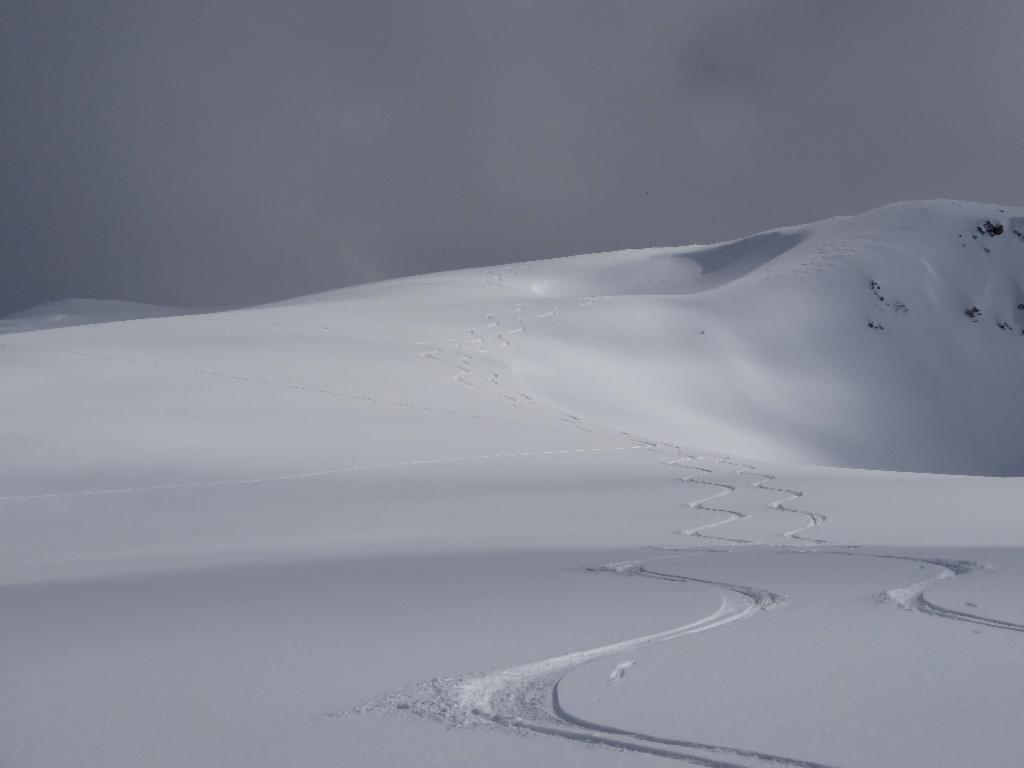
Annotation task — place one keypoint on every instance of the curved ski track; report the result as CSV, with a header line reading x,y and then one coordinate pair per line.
x,y
913,598
525,697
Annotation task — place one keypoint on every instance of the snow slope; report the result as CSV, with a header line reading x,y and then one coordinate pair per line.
x,y
843,342
582,512
58,314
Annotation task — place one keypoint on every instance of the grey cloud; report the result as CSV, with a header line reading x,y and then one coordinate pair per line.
x,y
200,153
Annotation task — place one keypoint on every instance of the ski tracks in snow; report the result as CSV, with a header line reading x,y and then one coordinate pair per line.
x,y
525,698
735,515
479,341
912,597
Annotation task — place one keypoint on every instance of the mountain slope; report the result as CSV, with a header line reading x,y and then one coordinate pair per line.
x,y
60,314
317,532
893,339
889,340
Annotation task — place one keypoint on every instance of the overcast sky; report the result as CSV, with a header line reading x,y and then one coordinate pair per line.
x,y
205,153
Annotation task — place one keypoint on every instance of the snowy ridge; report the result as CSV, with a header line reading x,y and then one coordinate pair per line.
x,y
834,343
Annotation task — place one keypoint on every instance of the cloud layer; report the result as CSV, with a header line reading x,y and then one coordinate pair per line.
x,y
198,153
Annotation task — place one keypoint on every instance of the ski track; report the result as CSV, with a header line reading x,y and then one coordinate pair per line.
x,y
525,698
913,598
813,518
733,515
725,490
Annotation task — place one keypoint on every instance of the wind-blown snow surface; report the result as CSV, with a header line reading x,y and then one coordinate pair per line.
x,y
582,512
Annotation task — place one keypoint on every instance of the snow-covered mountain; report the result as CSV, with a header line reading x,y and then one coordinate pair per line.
x,y
893,339
889,340
586,502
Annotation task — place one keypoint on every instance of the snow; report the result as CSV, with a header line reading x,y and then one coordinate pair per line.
x,y
586,511
778,360
59,314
